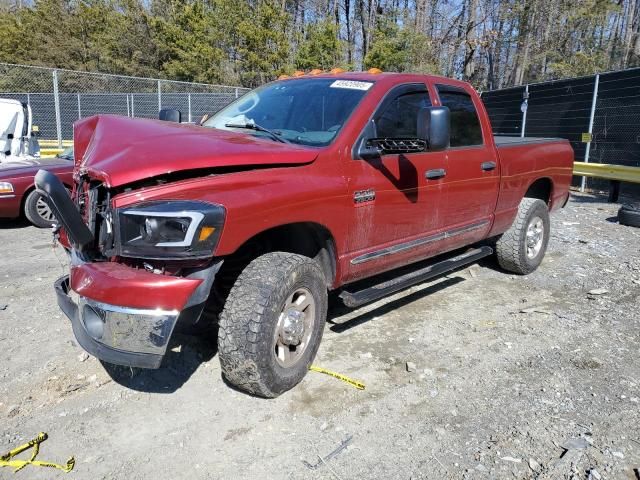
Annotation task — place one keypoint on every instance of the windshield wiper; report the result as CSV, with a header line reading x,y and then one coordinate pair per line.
x,y
257,128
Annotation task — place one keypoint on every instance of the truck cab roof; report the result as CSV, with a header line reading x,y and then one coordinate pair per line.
x,y
387,78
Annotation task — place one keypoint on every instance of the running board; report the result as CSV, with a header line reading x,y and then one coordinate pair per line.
x,y
367,295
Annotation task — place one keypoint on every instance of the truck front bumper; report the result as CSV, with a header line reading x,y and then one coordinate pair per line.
x,y
126,316
123,336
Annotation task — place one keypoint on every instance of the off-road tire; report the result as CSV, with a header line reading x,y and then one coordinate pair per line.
x,y
249,319
31,211
629,216
511,247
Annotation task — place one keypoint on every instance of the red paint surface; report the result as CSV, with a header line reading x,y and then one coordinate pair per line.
x,y
121,285
21,175
120,150
303,184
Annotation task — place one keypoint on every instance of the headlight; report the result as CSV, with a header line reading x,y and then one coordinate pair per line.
x,y
5,187
171,229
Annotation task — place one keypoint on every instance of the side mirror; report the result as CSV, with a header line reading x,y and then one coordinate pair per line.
x,y
170,115
365,149
434,127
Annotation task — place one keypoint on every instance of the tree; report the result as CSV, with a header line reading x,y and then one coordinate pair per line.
x,y
263,49
321,47
189,42
491,43
399,49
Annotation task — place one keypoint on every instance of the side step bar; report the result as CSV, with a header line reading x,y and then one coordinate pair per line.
x,y
367,295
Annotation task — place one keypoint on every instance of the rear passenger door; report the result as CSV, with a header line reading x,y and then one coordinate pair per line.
x,y
473,176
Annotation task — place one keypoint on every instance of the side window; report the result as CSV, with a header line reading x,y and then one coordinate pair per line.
x,y
399,118
465,126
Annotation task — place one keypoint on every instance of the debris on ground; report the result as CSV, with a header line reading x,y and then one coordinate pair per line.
x,y
8,460
594,475
533,465
536,310
598,291
356,383
323,460
511,459
575,444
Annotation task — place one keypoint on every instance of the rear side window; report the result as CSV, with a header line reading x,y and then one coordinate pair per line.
x,y
399,118
465,125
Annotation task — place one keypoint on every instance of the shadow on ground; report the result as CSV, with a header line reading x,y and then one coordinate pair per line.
x,y
184,355
187,352
337,308
13,223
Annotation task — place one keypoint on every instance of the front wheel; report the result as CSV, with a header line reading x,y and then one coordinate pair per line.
x,y
37,211
272,323
521,248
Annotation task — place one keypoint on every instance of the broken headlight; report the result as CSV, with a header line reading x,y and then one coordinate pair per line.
x,y
169,230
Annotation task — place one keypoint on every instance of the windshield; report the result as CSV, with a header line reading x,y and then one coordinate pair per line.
x,y
306,111
66,154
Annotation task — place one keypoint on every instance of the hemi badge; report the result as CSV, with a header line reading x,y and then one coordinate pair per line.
x,y
362,196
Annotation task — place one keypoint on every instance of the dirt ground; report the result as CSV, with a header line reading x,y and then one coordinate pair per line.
x,y
512,377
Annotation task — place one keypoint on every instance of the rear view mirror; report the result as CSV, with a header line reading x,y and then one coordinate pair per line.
x,y
170,115
434,127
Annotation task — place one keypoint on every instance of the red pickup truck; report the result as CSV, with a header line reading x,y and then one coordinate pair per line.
x,y
302,186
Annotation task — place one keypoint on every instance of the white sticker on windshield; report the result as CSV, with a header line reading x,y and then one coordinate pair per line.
x,y
352,84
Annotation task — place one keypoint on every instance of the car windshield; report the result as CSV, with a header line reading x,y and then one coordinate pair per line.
x,y
305,111
66,154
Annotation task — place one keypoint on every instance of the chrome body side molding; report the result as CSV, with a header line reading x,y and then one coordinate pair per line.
x,y
401,247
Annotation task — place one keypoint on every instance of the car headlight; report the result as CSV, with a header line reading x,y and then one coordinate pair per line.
x,y
5,188
169,230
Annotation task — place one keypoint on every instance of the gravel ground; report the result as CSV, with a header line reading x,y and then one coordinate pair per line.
x,y
511,377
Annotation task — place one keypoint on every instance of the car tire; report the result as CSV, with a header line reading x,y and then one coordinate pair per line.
x,y
37,211
272,323
521,248
627,215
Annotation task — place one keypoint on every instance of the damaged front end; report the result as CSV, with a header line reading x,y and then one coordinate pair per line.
x,y
136,272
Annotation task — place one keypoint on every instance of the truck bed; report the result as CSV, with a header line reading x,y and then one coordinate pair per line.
x,y
506,141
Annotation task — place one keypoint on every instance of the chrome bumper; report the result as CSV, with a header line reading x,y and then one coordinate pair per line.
x,y
119,335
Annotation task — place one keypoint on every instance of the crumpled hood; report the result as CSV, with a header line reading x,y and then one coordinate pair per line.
x,y
29,166
120,150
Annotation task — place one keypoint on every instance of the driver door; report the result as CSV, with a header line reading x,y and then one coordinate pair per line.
x,y
395,210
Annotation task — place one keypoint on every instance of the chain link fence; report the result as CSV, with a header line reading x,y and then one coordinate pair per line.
x,y
598,114
59,97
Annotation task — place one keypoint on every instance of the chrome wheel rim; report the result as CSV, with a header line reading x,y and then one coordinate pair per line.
x,y
294,328
535,237
44,211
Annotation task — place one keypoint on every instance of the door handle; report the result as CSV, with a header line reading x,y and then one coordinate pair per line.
x,y
488,166
435,173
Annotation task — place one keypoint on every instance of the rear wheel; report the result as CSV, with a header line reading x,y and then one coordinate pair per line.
x,y
38,211
272,323
521,248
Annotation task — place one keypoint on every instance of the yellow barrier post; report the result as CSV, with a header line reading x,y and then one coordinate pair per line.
x,y
614,173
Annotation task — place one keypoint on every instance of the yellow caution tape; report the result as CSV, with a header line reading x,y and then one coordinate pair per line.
x,y
339,376
5,460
